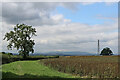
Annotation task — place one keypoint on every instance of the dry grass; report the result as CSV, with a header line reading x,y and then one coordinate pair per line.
x,y
90,66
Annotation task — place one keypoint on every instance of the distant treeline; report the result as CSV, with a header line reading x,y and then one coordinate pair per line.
x,y
9,57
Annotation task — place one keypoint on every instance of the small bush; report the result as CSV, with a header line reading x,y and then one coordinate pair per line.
x,y
10,54
3,52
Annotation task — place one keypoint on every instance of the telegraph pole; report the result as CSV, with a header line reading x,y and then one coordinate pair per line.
x,y
98,48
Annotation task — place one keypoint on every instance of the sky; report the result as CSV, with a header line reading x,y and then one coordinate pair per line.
x,y
65,26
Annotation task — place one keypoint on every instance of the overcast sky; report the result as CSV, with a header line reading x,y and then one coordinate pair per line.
x,y
64,26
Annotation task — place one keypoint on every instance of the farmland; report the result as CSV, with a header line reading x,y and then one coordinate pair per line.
x,y
30,69
60,67
14,66
86,66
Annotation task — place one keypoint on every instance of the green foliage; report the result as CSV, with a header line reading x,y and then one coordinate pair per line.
x,y
57,56
20,38
3,52
106,51
8,58
10,54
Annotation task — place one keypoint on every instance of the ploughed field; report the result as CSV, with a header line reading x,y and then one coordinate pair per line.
x,y
86,66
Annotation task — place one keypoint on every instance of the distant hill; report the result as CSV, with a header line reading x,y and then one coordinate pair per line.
x,y
65,53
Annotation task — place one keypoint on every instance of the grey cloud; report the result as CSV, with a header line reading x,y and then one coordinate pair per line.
x,y
33,13
54,47
78,36
52,38
79,41
17,12
71,5
55,34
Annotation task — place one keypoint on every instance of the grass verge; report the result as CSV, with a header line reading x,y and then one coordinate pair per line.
x,y
30,69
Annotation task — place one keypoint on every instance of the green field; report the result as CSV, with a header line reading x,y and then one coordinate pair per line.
x,y
63,67
30,69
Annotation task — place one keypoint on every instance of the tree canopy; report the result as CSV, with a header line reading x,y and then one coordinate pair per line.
x,y
106,51
21,39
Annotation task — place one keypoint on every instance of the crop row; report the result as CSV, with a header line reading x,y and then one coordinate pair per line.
x,y
97,67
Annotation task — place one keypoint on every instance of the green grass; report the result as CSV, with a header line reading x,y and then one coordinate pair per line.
x,y
30,69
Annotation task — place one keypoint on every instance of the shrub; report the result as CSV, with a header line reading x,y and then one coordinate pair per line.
x,y
10,54
3,52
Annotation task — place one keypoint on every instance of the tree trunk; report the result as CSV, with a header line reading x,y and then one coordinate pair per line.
x,y
24,56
